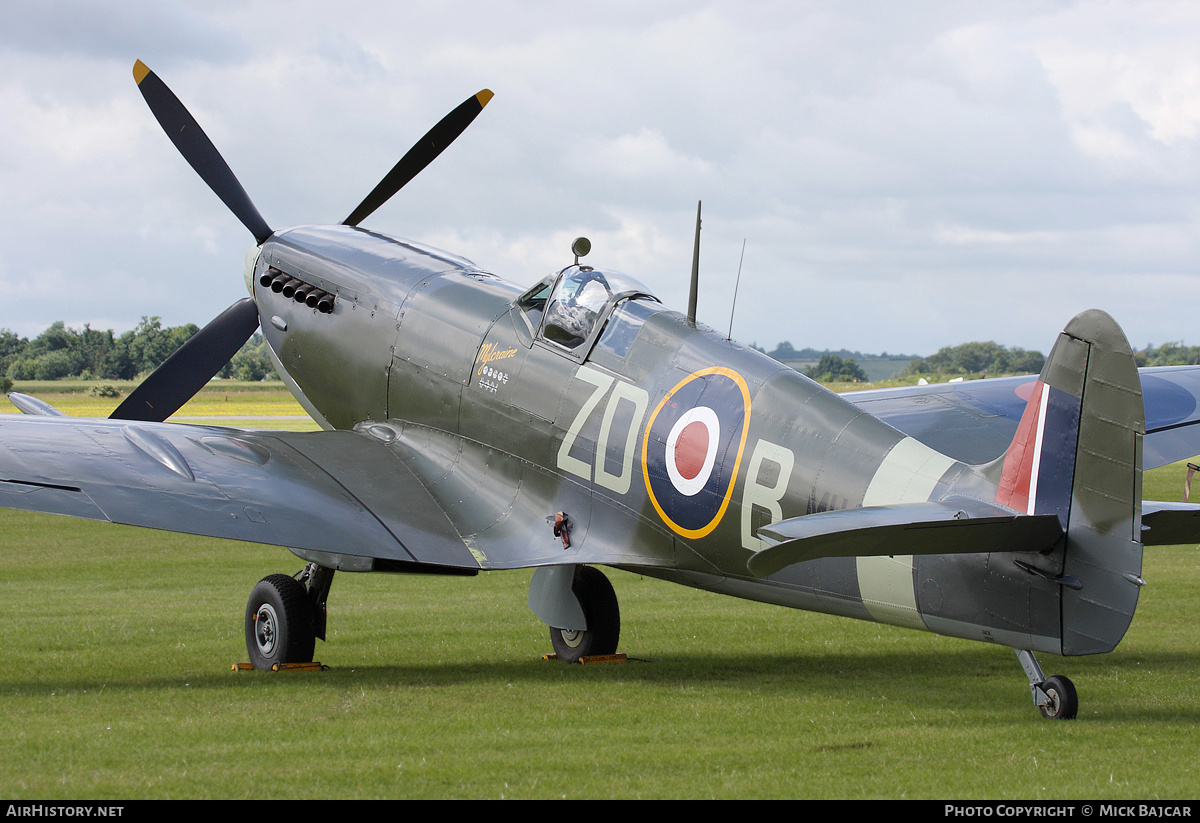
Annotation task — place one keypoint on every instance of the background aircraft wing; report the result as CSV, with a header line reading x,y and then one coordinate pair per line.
x,y
975,420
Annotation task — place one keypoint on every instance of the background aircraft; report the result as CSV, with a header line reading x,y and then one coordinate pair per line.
x,y
471,425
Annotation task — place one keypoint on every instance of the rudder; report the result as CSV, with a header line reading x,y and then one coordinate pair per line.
x,y
1077,454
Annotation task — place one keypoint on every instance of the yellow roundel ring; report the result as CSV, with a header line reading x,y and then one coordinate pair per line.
x,y
697,531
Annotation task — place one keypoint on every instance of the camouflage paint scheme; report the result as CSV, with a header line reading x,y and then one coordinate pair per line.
x,y
504,428
470,426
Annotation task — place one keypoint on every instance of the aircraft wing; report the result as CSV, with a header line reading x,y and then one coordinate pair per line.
x,y
406,498
331,492
975,420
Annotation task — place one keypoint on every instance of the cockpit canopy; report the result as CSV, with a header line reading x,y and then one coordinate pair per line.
x,y
566,308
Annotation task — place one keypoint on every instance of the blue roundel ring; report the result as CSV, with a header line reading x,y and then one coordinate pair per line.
x,y
693,448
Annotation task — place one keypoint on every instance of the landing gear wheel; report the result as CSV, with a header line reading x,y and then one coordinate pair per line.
x,y
1064,704
599,603
279,623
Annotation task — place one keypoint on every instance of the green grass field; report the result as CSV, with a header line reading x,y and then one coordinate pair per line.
x,y
221,403
115,683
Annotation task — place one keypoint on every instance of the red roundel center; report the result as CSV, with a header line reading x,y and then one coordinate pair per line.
x,y
691,449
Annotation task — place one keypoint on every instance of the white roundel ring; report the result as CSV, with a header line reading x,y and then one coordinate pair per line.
x,y
692,449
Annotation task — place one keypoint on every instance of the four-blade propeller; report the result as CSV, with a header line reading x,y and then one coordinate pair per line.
x,y
424,152
198,150
192,365
198,360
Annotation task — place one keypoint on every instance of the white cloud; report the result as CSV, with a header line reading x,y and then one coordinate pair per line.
x,y
644,155
872,155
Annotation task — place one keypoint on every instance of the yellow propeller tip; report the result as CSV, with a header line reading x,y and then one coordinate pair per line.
x,y
484,96
140,70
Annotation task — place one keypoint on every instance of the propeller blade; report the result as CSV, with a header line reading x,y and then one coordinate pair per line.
x,y
198,150
420,155
192,365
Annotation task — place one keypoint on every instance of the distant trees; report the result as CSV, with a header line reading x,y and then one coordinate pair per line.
x,y
834,369
978,358
784,351
251,363
1168,354
61,352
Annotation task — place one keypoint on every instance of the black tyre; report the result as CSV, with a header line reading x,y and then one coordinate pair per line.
x,y
599,603
1064,703
279,623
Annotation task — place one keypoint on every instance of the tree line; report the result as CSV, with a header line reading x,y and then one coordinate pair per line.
x,y
992,358
786,351
978,358
61,352
1168,354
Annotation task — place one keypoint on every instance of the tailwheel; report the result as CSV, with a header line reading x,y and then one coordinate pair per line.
x,y
279,623
1054,696
599,603
1062,702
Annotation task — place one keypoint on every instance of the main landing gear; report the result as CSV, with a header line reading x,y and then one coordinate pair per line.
x,y
1054,696
580,607
599,603
285,615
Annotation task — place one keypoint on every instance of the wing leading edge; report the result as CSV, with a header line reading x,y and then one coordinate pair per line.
x,y
338,493
385,497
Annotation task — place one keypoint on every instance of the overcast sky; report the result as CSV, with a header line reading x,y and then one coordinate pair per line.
x,y
905,175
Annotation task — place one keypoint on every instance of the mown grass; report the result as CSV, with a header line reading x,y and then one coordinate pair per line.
x,y
115,683
264,405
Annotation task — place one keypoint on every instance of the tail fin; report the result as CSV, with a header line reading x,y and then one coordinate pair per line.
x,y
1078,454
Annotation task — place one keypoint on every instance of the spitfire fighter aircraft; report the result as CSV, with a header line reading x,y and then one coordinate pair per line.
x,y
469,424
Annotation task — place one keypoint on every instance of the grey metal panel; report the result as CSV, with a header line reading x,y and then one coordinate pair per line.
x,y
48,499
349,261
500,503
805,588
542,381
944,421
287,489
364,467
444,320
988,597
339,361
1105,521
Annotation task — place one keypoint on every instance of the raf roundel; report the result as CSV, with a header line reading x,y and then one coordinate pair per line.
x,y
693,447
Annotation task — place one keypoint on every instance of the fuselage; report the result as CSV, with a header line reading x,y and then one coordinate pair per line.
x,y
662,441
